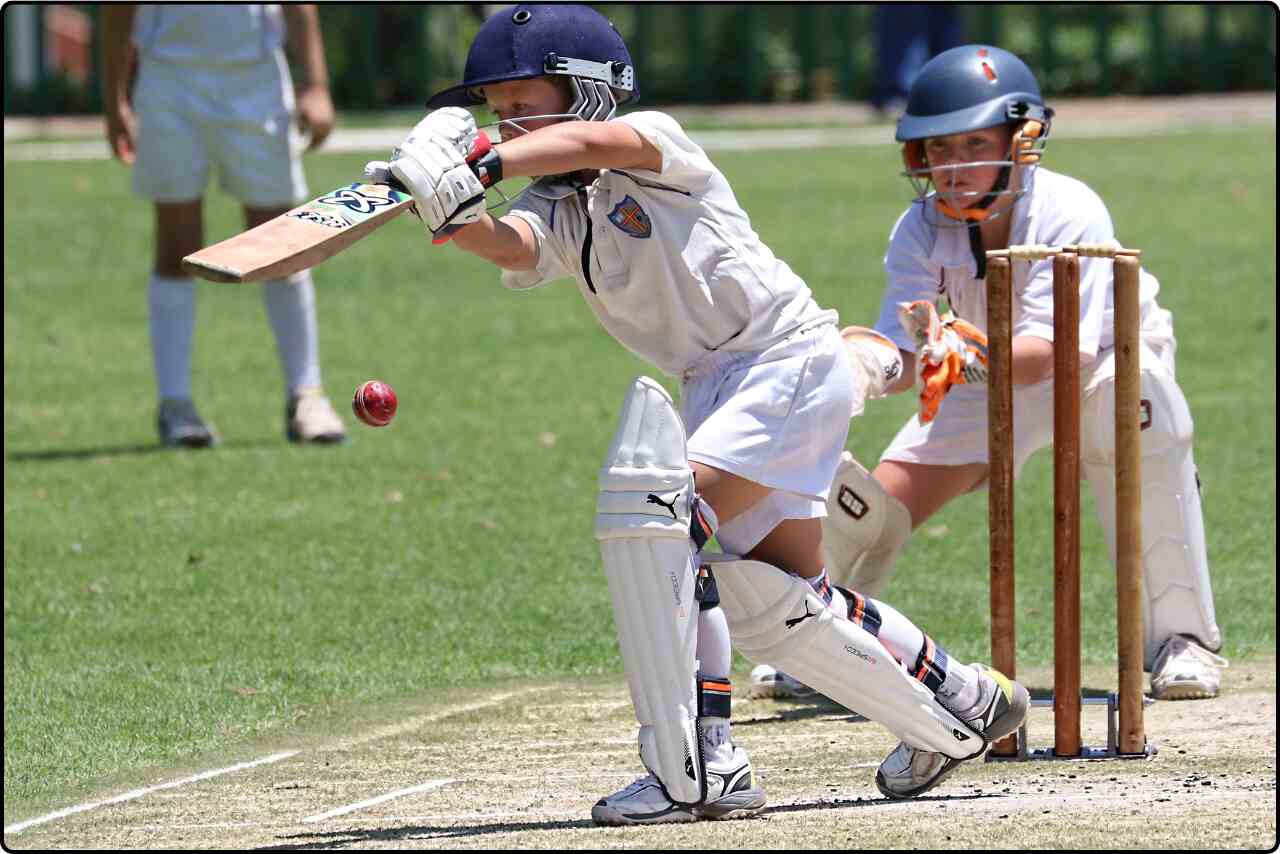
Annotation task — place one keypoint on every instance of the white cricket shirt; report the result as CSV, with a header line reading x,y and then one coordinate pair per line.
x,y
927,262
668,262
212,35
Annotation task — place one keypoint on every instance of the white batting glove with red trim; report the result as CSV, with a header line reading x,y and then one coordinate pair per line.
x,y
445,190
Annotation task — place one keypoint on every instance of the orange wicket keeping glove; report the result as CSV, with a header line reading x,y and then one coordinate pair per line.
x,y
948,353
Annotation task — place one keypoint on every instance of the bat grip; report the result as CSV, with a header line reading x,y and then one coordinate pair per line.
x,y
481,147
479,150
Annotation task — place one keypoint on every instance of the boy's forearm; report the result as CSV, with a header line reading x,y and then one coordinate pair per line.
x,y
305,43
117,24
906,380
1032,360
574,146
497,242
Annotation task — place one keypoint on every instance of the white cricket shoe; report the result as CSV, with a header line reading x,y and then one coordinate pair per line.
x,y
181,426
1184,670
1001,708
310,417
767,681
730,794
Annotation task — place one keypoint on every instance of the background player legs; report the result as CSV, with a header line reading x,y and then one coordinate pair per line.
x,y
171,297
291,311
926,489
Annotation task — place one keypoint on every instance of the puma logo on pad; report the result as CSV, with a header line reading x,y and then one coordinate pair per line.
x,y
653,499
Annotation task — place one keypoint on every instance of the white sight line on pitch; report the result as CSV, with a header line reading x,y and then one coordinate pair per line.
x,y
416,723
381,799
137,793
405,726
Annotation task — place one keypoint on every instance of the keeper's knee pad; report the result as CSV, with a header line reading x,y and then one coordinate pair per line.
x,y
864,530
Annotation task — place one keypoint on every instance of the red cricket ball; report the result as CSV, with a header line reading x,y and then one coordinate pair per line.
x,y
374,403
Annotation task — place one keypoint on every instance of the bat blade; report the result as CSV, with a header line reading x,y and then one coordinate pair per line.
x,y
301,238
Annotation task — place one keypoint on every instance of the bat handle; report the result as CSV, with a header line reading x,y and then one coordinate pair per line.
x,y
481,147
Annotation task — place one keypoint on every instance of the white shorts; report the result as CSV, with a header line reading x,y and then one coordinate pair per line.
x,y
238,118
958,434
778,417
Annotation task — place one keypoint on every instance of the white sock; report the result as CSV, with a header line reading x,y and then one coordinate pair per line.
x,y
962,684
822,586
291,311
172,308
954,682
714,651
715,656
717,745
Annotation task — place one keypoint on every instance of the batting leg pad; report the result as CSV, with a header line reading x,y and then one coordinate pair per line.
x,y
864,530
776,619
642,523
1177,594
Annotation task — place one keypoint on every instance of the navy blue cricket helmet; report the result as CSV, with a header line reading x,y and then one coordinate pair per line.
x,y
537,39
970,88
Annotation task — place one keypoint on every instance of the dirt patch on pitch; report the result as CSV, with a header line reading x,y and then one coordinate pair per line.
x,y
520,768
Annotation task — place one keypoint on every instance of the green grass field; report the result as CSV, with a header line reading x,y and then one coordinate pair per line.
x,y
161,607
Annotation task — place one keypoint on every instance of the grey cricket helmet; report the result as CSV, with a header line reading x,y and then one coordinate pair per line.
x,y
969,88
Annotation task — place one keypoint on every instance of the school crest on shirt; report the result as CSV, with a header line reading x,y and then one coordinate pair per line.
x,y
631,218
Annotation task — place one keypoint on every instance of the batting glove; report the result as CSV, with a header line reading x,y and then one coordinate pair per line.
x,y
446,192
455,124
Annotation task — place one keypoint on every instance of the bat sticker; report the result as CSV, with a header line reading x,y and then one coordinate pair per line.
x,y
321,218
353,206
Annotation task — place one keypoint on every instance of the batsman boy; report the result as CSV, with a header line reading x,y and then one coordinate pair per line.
x,y
634,212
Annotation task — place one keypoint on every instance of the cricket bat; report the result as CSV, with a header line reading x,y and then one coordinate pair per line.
x,y
309,234
301,238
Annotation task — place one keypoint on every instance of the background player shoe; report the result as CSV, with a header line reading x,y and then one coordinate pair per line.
x,y
730,794
180,426
1002,706
1184,670
767,681
310,417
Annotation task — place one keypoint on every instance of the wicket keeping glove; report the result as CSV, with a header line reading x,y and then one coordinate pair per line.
x,y
947,353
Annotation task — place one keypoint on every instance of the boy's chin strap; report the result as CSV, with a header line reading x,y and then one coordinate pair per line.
x,y
975,246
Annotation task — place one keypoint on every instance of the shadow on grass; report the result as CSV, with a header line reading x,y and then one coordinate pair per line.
x,y
800,709
345,838
58,455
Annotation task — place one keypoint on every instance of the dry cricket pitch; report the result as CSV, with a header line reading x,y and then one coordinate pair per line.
x,y
519,767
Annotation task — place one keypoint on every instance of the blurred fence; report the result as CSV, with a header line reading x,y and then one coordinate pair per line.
x,y
394,55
